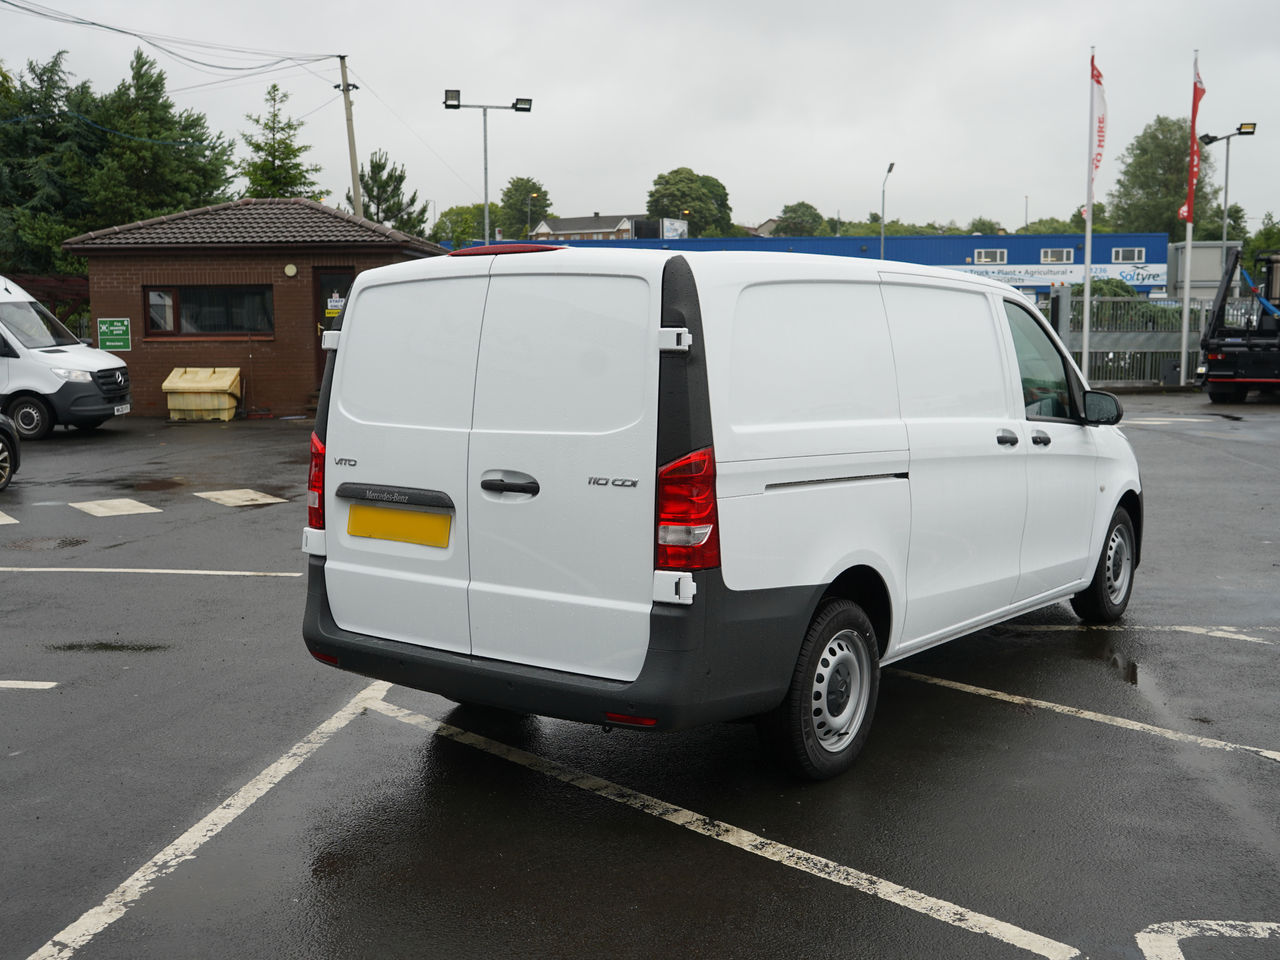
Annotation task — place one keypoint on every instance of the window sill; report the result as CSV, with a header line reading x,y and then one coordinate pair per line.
x,y
209,338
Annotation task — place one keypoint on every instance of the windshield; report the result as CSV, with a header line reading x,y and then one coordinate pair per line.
x,y
34,326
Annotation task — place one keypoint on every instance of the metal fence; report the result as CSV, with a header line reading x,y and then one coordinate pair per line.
x,y
1133,340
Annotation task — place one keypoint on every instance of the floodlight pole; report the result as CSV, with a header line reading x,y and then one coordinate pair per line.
x,y
453,101
1243,130
883,187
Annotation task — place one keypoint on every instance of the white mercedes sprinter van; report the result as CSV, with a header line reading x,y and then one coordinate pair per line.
x,y
649,489
47,376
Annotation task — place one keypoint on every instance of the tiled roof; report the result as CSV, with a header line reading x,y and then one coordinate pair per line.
x,y
251,222
589,224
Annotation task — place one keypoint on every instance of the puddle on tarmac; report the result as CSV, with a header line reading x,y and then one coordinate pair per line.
x,y
1102,648
168,483
107,646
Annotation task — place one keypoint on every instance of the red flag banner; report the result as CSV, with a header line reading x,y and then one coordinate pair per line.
x,y
1187,211
1099,119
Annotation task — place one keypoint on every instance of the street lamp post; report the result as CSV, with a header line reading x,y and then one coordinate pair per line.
x,y
883,186
453,101
528,214
1244,130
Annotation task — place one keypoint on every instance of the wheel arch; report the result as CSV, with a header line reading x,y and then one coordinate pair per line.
x,y
1132,503
864,586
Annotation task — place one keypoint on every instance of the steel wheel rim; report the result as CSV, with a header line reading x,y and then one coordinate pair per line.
x,y
839,692
28,418
1119,564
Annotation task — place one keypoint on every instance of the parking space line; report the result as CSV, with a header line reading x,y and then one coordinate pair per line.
x,y
949,913
67,941
180,573
1225,633
239,498
1089,715
113,508
1161,941
27,685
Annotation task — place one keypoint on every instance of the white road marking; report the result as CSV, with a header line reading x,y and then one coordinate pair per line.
x,y
26,685
113,508
1090,715
950,913
1160,941
5,518
67,941
181,573
1226,633
239,498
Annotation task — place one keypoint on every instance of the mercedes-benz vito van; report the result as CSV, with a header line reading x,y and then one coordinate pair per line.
x,y
648,489
47,376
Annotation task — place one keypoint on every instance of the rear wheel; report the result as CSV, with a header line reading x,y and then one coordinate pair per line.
x,y
32,418
1107,596
825,719
1236,394
6,461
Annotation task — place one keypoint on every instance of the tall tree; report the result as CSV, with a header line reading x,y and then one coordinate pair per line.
x,y
681,194
798,220
1267,238
1101,219
722,225
524,203
159,160
275,167
1153,182
382,196
73,161
458,226
984,225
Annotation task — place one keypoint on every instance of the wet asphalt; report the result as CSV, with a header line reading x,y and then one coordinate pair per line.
x,y
971,826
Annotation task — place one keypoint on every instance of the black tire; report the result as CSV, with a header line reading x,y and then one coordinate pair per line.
x,y
824,721
32,417
1228,395
1107,596
6,461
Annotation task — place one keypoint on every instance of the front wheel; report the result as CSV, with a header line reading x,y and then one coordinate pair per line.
x,y
1107,596
825,719
32,418
7,459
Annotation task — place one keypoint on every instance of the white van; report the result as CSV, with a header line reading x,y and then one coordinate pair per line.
x,y
648,489
47,376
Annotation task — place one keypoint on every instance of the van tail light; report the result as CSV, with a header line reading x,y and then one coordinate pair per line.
x,y
315,485
688,523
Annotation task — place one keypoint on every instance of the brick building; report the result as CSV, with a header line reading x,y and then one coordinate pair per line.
x,y
246,284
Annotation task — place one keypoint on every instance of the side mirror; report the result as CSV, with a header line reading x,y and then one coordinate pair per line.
x,y
1102,408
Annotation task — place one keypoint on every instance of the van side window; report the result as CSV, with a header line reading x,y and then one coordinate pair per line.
x,y
1045,391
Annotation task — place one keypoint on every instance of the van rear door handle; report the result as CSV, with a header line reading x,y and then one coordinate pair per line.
x,y
1007,438
511,486
1041,439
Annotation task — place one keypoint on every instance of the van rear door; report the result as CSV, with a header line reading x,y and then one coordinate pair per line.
x,y
562,463
396,490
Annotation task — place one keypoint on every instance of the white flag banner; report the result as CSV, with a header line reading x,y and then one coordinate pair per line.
x,y
1099,123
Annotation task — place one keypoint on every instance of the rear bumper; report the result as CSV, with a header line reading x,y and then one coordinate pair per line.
x,y
729,655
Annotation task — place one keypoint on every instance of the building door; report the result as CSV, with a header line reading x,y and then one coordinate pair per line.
x,y
332,284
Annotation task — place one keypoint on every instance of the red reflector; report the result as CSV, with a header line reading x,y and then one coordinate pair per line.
x,y
631,721
496,248
315,486
1217,356
688,534
325,658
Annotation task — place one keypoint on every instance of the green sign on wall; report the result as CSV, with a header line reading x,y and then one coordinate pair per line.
x,y
113,333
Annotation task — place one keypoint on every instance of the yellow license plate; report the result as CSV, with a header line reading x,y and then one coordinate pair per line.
x,y
404,526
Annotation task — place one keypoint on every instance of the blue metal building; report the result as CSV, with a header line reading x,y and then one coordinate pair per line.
x,y
1031,262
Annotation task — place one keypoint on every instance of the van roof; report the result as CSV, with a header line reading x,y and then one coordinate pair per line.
x,y
10,292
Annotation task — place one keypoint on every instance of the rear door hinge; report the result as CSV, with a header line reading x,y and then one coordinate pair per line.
x,y
670,586
674,339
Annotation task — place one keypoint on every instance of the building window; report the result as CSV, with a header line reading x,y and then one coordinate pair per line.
x,y
990,256
1129,255
209,311
1062,255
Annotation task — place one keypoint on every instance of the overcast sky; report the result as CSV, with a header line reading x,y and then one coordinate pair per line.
x,y
983,107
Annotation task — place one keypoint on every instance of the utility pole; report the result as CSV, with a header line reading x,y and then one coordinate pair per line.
x,y
346,88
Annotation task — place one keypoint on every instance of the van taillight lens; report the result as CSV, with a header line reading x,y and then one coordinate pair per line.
x,y
315,485
688,524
